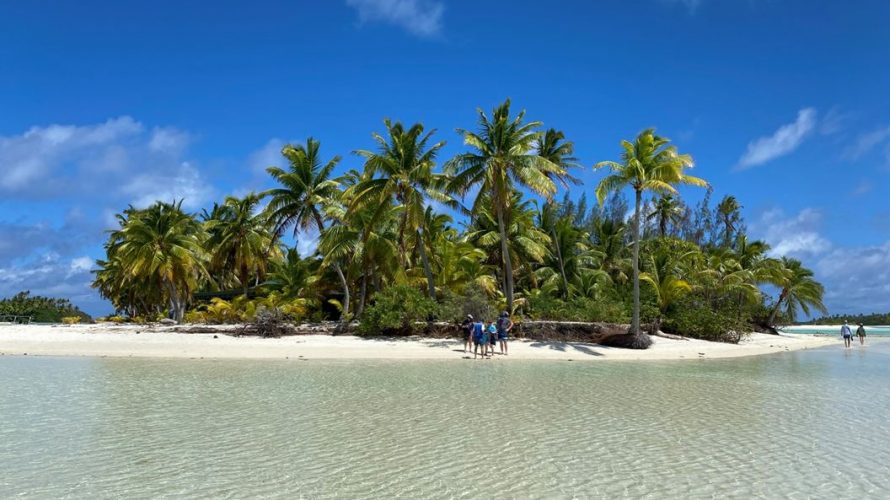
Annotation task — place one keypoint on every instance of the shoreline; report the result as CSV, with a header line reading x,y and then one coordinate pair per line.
x,y
142,341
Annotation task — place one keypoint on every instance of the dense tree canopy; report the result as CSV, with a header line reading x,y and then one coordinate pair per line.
x,y
482,231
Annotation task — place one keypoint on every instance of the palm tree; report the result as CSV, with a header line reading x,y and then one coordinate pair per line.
x,y
649,163
553,147
405,168
161,247
306,191
664,276
240,239
667,210
503,156
728,211
798,291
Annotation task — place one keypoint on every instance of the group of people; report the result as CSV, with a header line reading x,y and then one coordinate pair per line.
x,y
847,333
483,337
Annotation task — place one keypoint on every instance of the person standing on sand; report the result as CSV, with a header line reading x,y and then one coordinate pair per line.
x,y
860,332
505,324
467,328
478,335
492,332
847,334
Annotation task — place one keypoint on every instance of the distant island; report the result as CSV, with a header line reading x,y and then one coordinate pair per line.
x,y
873,319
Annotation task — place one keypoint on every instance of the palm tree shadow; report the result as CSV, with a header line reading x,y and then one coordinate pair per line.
x,y
564,346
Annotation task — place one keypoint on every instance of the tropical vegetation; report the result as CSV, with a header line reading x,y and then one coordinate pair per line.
x,y
405,236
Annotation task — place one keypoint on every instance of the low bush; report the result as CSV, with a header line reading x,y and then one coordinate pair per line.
x,y
472,300
395,311
698,320
544,307
71,320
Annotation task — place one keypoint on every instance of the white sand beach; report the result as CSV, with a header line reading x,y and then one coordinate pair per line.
x,y
159,342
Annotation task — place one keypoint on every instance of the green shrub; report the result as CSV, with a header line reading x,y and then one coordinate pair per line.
x,y
472,300
699,320
71,320
609,310
395,311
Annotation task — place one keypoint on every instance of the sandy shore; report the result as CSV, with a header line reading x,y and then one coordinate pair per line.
x,y
159,342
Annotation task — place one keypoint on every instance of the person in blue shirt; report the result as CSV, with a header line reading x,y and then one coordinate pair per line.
x,y
492,332
478,337
504,326
847,334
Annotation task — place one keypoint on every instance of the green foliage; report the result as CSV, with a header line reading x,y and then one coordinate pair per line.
x,y
40,309
873,319
610,310
697,319
396,310
471,300
244,310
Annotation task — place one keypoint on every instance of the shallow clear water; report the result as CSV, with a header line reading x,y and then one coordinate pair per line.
x,y
835,329
810,424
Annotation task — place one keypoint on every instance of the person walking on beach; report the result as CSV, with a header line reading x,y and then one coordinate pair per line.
x,y
505,324
847,334
478,335
860,332
467,328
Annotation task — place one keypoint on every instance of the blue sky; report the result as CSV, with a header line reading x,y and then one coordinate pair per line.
x,y
783,103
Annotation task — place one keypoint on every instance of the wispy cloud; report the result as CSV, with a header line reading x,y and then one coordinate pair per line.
x,y
866,142
419,17
690,5
794,236
782,142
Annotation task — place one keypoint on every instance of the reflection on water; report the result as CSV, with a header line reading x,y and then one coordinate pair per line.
x,y
799,424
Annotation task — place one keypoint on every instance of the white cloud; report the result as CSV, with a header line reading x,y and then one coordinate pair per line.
x,y
856,279
796,236
112,163
866,142
785,140
834,121
267,156
307,242
419,17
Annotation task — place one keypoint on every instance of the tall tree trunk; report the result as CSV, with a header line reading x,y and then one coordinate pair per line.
x,y
562,265
361,297
635,322
344,314
508,266
431,284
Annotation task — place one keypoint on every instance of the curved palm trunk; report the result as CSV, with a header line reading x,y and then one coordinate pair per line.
x,y
344,314
772,315
431,284
635,322
508,266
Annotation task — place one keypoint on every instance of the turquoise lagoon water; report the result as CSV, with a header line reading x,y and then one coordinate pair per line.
x,y
809,424
835,330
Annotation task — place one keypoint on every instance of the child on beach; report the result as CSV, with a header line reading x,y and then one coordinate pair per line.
x,y
492,332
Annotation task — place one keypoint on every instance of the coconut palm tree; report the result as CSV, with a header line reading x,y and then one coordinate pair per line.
x,y
503,156
306,191
402,171
728,212
667,210
161,247
663,273
240,239
649,163
798,291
